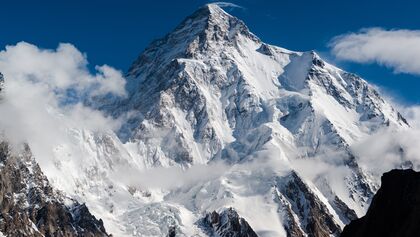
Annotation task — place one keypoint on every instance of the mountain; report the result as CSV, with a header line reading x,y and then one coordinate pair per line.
x,y
31,207
217,120
209,86
395,208
227,223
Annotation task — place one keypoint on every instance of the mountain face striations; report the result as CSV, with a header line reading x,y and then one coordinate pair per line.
x,y
238,117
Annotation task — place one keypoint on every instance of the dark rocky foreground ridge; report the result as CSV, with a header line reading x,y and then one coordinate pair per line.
x,y
30,207
395,209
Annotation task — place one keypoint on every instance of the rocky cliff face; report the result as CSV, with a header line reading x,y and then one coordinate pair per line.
x,y
30,206
395,208
314,217
226,224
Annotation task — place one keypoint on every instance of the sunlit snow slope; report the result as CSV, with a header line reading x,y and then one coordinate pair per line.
x,y
216,118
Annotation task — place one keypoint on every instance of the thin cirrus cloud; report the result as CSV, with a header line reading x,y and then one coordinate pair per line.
x,y
397,49
227,4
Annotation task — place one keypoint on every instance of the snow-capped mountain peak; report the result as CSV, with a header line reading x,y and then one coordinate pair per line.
x,y
212,79
205,28
211,92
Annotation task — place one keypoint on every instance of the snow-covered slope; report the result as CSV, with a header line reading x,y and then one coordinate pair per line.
x,y
243,120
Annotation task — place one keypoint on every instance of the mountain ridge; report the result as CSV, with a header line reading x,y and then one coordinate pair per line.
x,y
394,209
211,92
178,64
31,207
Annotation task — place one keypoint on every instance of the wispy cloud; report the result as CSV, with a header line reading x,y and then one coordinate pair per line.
x,y
397,49
170,177
44,92
227,4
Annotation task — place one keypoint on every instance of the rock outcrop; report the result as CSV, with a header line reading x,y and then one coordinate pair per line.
x,y
395,209
315,218
226,224
30,207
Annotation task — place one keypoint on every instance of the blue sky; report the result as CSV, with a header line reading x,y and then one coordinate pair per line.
x,y
115,32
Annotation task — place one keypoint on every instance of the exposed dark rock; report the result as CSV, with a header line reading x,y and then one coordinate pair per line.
x,y
290,224
348,213
226,224
172,231
395,209
401,118
317,61
1,82
315,218
30,207
265,49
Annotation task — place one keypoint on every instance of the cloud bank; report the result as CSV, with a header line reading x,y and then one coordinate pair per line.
x,y
60,70
396,49
44,93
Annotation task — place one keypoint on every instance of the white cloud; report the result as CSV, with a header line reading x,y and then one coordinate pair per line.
x,y
227,4
396,49
389,148
44,92
171,177
61,69
399,50
412,114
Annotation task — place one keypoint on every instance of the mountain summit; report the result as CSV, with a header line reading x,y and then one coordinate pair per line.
x,y
234,118
198,32
211,89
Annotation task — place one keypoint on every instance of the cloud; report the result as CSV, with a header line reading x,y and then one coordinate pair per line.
x,y
399,50
170,177
227,4
44,93
61,70
412,114
396,49
389,148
